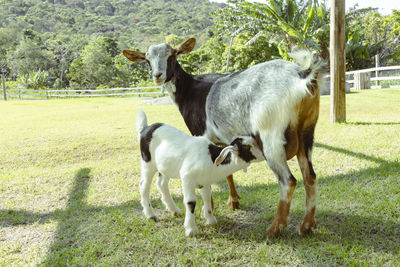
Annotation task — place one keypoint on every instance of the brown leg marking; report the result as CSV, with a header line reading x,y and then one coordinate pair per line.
x,y
309,218
233,201
310,184
281,216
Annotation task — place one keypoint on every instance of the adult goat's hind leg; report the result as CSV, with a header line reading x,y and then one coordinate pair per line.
x,y
309,179
233,201
274,151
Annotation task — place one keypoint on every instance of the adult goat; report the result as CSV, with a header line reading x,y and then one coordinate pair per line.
x,y
277,102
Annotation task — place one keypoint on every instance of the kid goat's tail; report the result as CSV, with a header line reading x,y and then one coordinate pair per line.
x,y
141,121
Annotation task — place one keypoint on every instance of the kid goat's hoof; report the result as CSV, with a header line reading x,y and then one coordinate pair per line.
x,y
177,213
154,218
191,232
211,221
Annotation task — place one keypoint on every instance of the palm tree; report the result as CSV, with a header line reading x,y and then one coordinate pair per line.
x,y
290,23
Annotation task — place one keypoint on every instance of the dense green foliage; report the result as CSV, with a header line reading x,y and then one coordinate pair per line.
x,y
77,44
305,23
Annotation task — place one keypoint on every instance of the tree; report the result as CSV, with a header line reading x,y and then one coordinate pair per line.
x,y
290,23
30,57
98,62
383,33
8,40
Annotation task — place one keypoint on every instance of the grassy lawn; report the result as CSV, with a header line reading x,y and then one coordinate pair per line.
x,y
69,175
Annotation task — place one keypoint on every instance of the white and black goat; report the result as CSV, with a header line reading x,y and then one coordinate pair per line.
x,y
195,159
276,102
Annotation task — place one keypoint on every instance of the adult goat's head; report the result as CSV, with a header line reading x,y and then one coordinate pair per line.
x,y
162,59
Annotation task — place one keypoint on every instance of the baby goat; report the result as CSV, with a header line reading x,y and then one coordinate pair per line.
x,y
195,159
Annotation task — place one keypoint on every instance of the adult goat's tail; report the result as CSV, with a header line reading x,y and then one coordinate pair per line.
x,y
141,121
312,68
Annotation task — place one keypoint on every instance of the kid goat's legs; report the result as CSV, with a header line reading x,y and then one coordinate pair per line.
x,y
274,151
206,196
162,185
189,199
147,172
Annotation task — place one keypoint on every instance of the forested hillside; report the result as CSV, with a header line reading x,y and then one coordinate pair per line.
x,y
128,21
77,43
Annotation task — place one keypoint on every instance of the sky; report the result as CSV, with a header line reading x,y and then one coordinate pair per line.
x,y
385,6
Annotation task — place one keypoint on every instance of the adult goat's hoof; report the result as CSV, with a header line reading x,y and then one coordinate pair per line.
x,y
274,230
306,228
233,203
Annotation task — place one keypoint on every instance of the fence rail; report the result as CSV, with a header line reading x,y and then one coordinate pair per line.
x,y
383,77
135,92
357,80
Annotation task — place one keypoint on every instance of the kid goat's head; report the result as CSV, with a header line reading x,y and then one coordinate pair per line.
x,y
243,147
162,59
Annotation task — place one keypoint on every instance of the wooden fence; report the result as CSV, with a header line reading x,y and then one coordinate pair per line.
x,y
30,94
381,77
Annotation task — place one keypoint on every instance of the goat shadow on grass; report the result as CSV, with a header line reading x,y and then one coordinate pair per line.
x,y
333,227
372,123
258,206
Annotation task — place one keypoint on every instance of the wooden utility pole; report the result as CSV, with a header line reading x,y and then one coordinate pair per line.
x,y
337,62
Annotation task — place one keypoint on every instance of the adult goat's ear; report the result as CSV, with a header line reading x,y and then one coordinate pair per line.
x,y
224,153
134,56
187,46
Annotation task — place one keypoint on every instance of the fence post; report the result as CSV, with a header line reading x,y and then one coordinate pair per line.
x,y
3,78
357,80
47,94
19,93
376,71
366,80
362,81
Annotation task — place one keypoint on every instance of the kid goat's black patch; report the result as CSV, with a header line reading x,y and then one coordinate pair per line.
x,y
145,139
214,152
244,150
192,206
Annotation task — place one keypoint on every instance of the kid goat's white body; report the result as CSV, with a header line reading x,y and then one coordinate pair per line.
x,y
174,154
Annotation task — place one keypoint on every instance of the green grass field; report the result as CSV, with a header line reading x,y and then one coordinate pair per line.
x,y
69,174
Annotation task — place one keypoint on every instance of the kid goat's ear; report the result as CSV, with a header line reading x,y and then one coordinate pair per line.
x,y
134,56
187,46
224,153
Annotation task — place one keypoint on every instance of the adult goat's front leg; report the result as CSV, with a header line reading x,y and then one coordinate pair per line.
x,y
276,157
233,201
